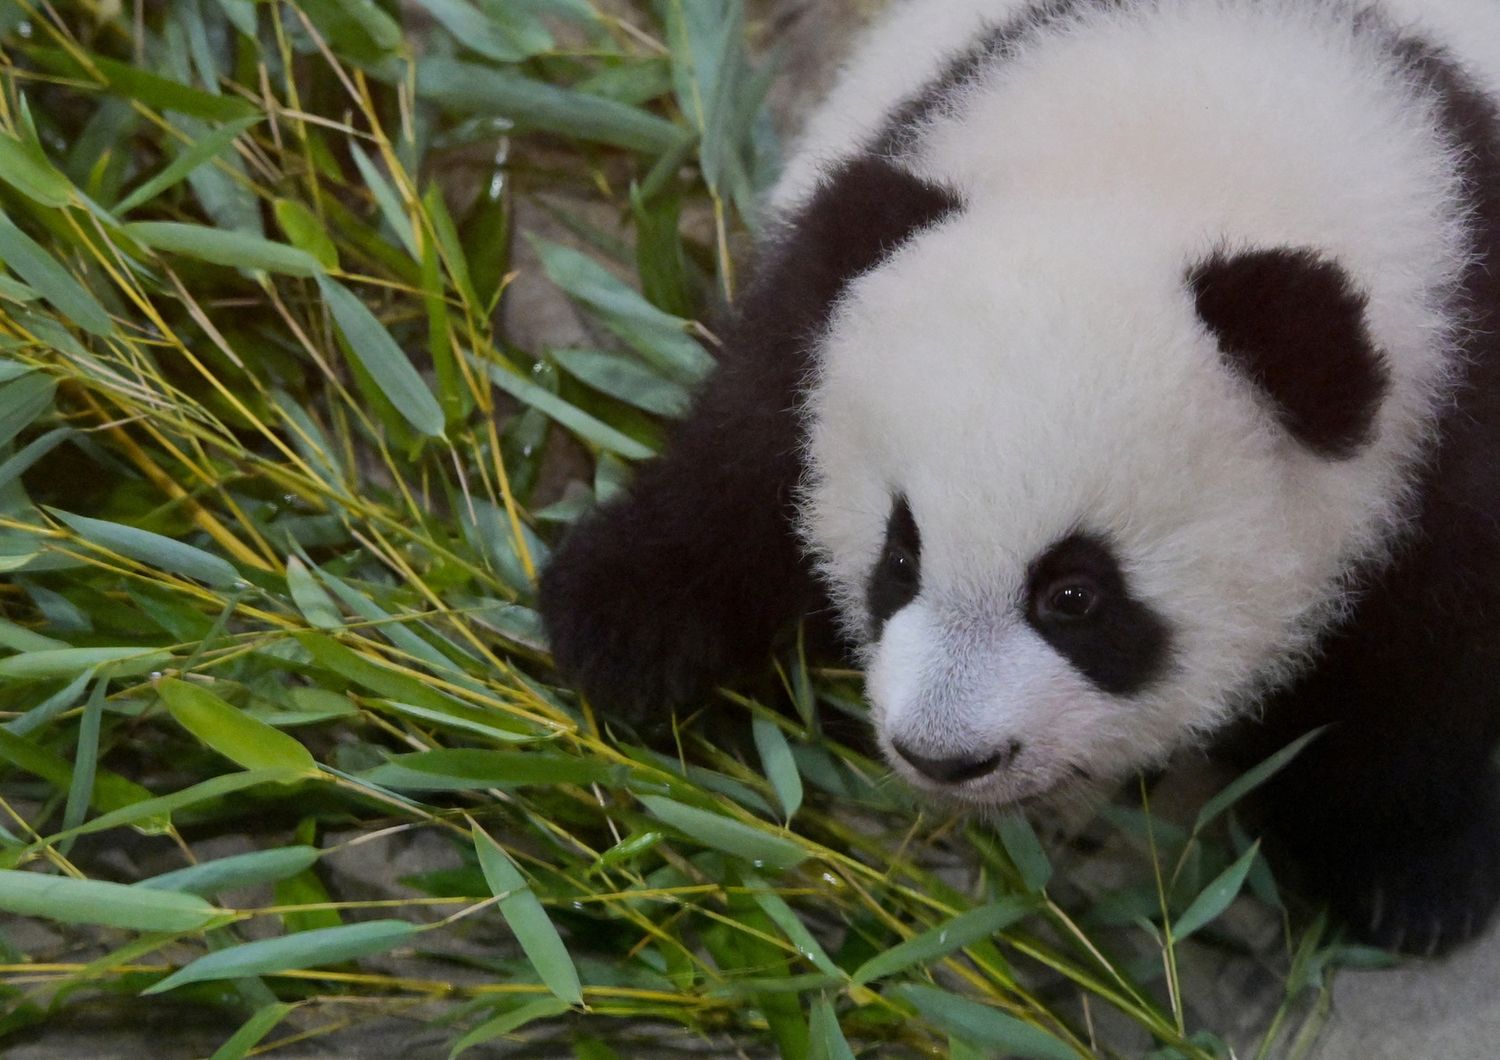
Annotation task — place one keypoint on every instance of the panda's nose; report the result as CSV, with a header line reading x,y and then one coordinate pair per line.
x,y
958,769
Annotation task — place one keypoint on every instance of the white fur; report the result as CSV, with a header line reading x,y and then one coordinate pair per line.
x,y
1035,364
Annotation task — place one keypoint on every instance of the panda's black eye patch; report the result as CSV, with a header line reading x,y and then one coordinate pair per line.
x,y
1077,599
898,572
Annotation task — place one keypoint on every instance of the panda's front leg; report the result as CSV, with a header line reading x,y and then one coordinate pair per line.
x,y
685,579
1393,815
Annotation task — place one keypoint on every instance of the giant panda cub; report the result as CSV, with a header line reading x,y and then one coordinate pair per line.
x,y
1118,370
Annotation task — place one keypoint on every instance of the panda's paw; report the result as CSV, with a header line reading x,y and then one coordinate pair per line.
x,y
1428,899
627,626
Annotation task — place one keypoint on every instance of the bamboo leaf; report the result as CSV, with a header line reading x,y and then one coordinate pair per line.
x,y
827,1041
196,153
50,280
468,769
246,742
659,337
575,419
510,1022
218,246
781,768
55,663
373,346
1216,897
12,469
153,549
474,89
73,901
304,949
22,401
722,833
983,1026
306,232
142,86
528,920
236,871
627,380
963,930
310,597
1252,779
506,42
1025,850
25,168
790,923
256,1027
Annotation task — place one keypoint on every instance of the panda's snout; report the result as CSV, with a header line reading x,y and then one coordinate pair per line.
x,y
956,770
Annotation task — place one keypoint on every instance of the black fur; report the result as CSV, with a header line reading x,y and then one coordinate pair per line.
x,y
1393,814
686,580
1293,323
1122,644
897,576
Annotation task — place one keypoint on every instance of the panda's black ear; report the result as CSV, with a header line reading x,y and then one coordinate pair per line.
x,y
1293,323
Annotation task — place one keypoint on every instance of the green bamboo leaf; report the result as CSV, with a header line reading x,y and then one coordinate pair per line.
x,y
306,232
722,833
242,14
246,742
164,805
1025,850
1252,779
963,930
12,469
781,768
22,401
826,1037
1216,897
386,198
573,418
473,89
791,924
659,337
383,359
528,920
50,280
85,759
509,1022
304,949
468,769
310,597
49,708
71,901
259,1025
218,246
111,791
197,153
25,168
506,42
236,871
627,380
983,1026
141,86
153,549
54,663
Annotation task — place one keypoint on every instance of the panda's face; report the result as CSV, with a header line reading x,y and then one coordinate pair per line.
x,y
1067,534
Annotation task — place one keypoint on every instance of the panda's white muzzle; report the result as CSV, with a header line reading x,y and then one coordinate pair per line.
x,y
982,711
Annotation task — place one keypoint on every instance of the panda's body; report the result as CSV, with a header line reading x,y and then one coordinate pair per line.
x,y
1121,368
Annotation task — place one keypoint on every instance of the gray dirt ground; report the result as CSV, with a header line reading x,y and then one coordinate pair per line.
x,y
1448,1009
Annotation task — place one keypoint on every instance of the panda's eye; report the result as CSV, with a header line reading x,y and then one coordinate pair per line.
x,y
900,566
1072,600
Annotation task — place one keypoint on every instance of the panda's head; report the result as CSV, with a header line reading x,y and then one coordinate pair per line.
x,y
1082,488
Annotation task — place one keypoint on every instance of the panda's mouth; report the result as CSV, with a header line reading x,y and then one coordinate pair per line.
x,y
999,789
